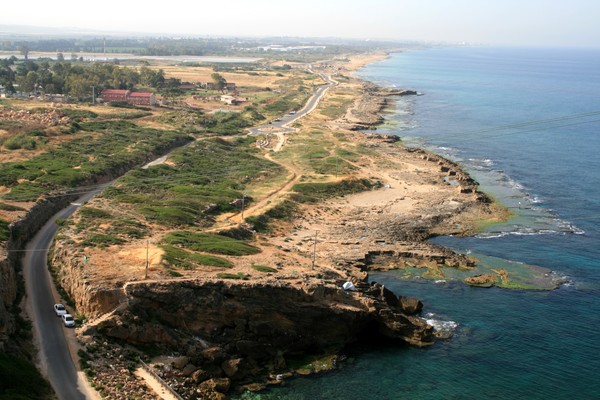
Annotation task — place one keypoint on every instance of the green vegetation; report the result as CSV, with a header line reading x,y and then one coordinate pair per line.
x,y
263,268
239,275
91,212
283,211
214,244
77,81
201,180
180,258
9,207
313,192
80,161
4,231
20,380
336,107
101,240
20,141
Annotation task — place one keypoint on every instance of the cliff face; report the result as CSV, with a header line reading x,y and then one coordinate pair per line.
x,y
274,317
215,324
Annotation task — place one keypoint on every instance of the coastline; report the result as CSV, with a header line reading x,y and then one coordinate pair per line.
x,y
409,200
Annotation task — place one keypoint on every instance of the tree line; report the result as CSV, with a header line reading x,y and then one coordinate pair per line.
x,y
73,79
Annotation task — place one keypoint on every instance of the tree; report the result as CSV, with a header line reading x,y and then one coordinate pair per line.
x,y
24,50
60,57
219,81
171,89
29,82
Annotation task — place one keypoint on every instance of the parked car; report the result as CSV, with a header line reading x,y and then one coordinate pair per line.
x,y
68,320
60,310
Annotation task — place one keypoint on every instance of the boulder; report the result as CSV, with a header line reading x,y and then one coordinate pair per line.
x,y
411,305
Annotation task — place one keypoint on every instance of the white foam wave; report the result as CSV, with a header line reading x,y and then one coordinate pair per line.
x,y
442,329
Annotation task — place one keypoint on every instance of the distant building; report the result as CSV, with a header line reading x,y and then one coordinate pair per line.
x,y
115,95
188,86
141,98
127,96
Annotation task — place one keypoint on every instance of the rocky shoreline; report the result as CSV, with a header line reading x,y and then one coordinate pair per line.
x,y
212,336
236,335
365,112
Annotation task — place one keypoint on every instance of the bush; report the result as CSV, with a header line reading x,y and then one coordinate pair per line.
x,y
283,211
90,212
101,240
214,244
263,268
20,141
313,192
20,380
239,275
188,260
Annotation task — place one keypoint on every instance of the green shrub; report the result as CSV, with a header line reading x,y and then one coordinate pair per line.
x,y
20,141
239,275
78,114
283,211
188,260
263,268
90,212
10,207
214,244
101,240
313,192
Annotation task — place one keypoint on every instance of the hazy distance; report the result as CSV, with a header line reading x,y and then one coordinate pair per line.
x,y
509,22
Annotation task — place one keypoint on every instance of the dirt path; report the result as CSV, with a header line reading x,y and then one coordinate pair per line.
x,y
155,385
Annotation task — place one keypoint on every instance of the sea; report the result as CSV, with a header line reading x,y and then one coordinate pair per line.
x,y
525,123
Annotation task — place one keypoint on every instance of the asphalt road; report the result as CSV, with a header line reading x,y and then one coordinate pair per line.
x,y
54,351
290,118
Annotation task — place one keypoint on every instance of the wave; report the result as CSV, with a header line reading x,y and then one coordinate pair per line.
x,y
442,329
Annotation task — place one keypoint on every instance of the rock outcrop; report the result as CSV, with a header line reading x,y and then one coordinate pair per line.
x,y
365,112
240,330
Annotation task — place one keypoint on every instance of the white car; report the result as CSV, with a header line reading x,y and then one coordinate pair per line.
x,y
59,309
68,320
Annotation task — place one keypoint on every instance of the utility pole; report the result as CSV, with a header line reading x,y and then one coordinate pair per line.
x,y
315,250
147,261
336,166
93,95
243,201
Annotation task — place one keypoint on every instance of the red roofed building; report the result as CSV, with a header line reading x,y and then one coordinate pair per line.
x,y
127,96
115,95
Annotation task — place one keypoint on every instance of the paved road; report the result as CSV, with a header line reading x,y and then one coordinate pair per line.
x,y
288,119
54,352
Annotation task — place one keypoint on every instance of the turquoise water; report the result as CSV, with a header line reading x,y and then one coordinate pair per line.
x,y
526,124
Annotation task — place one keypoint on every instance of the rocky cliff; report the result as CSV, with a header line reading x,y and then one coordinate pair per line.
x,y
244,332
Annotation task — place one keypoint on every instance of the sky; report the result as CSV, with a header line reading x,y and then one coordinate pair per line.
x,y
507,22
